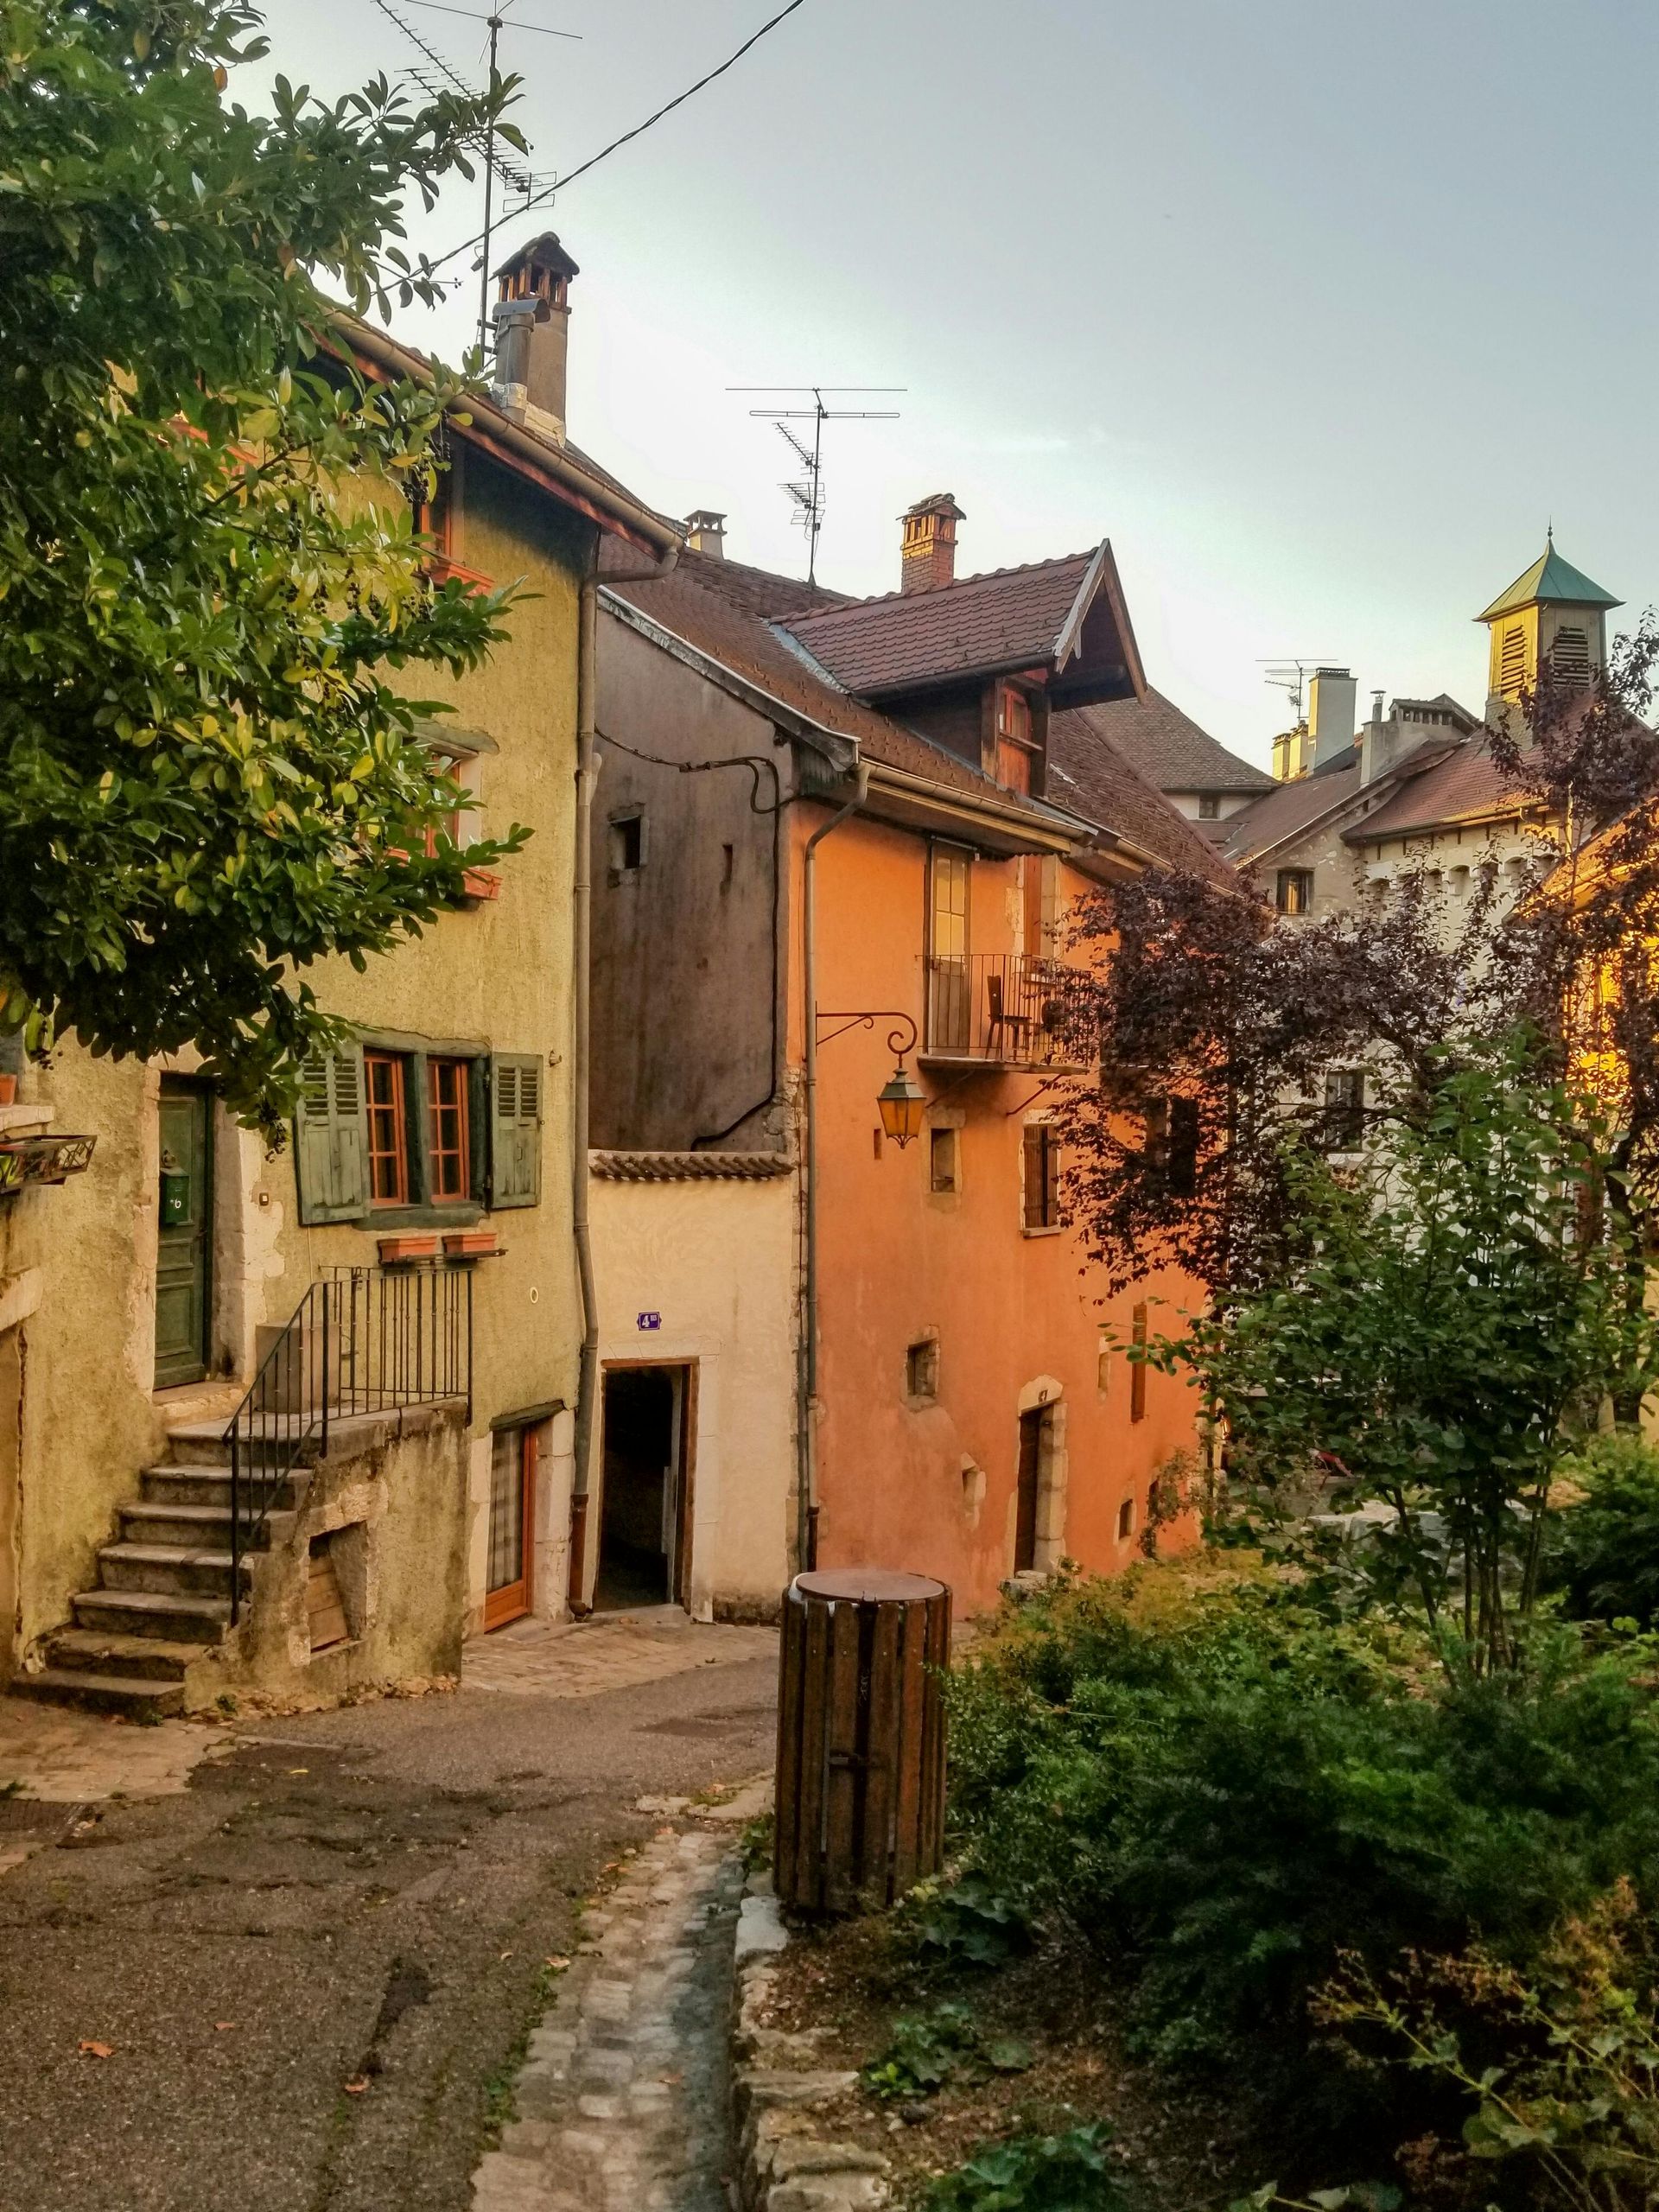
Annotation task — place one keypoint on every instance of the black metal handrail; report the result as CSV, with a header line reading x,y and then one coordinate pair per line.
x,y
1008,1010
362,1340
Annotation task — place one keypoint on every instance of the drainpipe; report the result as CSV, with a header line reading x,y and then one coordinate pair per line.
x,y
806,1529
582,1026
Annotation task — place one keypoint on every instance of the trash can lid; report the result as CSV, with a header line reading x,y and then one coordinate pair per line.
x,y
869,1585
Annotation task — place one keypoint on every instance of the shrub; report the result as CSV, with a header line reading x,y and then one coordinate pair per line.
x,y
1224,1793
1603,1552
1035,2173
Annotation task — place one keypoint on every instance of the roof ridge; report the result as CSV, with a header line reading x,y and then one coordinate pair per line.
x,y
956,583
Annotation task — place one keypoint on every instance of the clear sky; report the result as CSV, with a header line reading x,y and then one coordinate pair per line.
x,y
1318,310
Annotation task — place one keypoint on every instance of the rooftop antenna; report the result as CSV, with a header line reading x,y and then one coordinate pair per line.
x,y
438,77
807,492
1291,676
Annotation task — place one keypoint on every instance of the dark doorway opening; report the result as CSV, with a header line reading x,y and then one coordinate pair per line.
x,y
1031,1462
645,1516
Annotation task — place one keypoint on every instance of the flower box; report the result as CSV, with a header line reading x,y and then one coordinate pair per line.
x,y
43,1160
481,883
407,1251
470,1244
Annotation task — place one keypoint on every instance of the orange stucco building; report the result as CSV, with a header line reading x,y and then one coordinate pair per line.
x,y
832,832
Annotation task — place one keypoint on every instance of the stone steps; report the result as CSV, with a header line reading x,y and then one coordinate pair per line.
x,y
210,1484
165,1570
137,1697
189,1527
175,1617
110,1651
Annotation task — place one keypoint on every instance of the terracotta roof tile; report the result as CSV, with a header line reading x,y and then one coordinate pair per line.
x,y
687,1167
1170,749
1467,786
1090,773
1011,618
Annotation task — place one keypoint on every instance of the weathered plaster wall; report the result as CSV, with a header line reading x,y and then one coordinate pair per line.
x,y
498,973
681,1021
1017,1317
392,1494
717,1261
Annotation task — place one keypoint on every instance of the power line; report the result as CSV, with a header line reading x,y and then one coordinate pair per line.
x,y
639,129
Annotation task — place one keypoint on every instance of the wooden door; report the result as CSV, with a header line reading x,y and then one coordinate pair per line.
x,y
513,1526
184,1234
1024,1519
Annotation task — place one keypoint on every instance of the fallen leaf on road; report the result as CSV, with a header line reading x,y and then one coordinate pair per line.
x,y
356,2088
670,2077
223,2025
299,1770
506,1954
558,1962
89,2050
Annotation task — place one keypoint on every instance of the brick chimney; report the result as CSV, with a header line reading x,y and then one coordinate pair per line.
x,y
928,554
532,335
705,532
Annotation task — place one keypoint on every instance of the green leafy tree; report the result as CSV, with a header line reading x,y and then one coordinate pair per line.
x,y
209,582
1448,1322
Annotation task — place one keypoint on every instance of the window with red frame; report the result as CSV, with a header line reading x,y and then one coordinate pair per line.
x,y
448,1147
1013,739
383,1079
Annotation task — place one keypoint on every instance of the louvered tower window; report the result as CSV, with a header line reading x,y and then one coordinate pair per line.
x,y
1512,662
1569,656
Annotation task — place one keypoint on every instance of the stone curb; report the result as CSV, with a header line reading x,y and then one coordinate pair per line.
x,y
787,2156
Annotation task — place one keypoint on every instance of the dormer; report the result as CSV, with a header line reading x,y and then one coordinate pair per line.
x,y
1552,621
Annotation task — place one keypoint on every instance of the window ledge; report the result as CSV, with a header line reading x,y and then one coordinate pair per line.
x,y
1049,1229
385,1220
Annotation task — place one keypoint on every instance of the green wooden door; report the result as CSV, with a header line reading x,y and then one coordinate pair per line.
x,y
184,1236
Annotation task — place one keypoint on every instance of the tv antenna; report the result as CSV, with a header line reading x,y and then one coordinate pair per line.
x,y
807,491
435,76
1291,676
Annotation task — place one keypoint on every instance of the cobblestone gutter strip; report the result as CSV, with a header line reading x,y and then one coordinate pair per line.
x,y
787,2157
622,2099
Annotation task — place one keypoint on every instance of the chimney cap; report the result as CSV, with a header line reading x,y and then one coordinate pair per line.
x,y
544,252
937,503
705,519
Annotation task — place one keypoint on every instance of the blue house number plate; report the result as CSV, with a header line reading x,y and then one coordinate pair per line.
x,y
648,1321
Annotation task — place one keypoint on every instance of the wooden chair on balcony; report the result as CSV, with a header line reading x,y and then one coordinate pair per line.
x,y
1016,1027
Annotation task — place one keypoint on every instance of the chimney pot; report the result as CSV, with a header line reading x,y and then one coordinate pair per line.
x,y
928,551
532,326
705,532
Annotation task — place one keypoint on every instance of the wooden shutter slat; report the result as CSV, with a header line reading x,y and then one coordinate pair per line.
x,y
515,1129
331,1139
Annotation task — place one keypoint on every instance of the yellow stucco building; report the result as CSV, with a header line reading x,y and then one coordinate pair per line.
x,y
182,1316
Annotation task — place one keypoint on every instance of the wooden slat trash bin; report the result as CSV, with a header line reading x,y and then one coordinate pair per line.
x,y
861,1738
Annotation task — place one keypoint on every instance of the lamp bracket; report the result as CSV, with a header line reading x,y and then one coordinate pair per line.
x,y
900,1041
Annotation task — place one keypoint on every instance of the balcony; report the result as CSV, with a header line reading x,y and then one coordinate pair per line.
x,y
1007,1010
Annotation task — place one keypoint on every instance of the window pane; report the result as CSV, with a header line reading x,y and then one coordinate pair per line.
x,y
506,1509
388,1160
445,1104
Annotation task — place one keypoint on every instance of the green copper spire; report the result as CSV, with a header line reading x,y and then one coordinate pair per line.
x,y
1553,579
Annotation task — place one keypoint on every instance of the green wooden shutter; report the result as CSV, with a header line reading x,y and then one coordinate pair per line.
x,y
331,1146
515,1129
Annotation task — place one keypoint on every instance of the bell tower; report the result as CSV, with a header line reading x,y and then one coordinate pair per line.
x,y
1551,622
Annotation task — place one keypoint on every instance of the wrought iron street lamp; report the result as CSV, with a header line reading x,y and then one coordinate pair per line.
x,y
901,1101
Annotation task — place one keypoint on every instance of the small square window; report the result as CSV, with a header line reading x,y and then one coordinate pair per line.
x,y
922,1369
1125,1521
1294,892
1209,806
942,1160
1345,1109
627,843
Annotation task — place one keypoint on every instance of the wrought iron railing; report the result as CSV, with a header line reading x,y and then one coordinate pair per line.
x,y
362,1340
1009,1009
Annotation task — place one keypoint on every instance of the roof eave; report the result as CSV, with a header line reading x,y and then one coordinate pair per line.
x,y
480,422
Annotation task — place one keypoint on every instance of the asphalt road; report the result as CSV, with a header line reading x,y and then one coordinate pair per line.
x,y
366,1897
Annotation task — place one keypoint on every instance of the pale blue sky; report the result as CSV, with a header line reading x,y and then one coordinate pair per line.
x,y
1319,310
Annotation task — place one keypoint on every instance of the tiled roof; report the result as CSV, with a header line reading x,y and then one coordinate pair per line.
x,y
1467,786
688,1166
1170,751
722,609
1285,811
1090,773
1012,617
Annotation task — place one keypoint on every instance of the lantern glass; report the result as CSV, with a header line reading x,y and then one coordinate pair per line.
x,y
903,1106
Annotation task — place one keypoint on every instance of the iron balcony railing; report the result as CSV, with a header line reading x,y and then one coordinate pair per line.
x,y
362,1340
1009,1009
